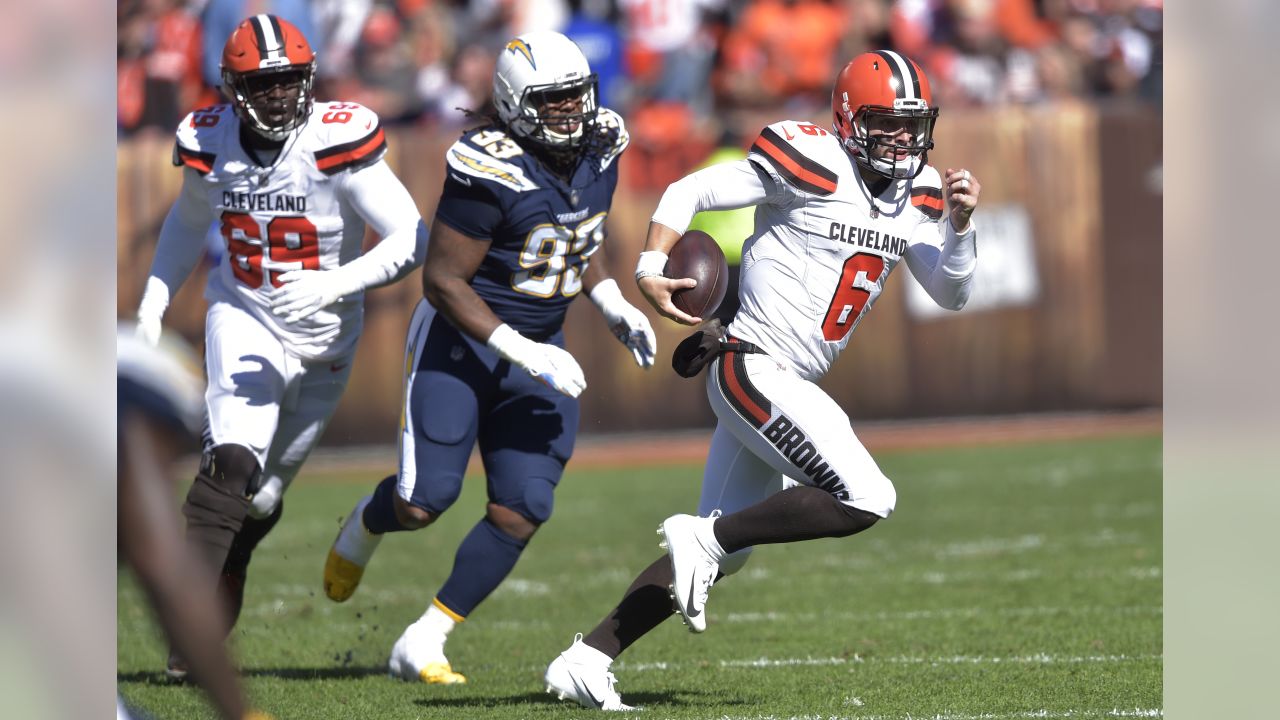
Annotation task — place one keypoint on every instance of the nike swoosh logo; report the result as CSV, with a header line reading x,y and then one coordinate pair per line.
x,y
595,700
459,178
787,132
688,604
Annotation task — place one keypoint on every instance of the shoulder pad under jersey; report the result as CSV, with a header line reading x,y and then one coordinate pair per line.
x,y
348,136
488,155
926,193
614,136
199,137
798,152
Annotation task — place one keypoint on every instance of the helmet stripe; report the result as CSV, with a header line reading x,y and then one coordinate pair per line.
x,y
267,30
908,85
279,35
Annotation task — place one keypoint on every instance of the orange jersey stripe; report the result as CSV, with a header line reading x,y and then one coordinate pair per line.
x,y
781,158
330,162
927,201
199,162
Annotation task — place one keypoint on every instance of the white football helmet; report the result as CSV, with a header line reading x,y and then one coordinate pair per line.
x,y
539,68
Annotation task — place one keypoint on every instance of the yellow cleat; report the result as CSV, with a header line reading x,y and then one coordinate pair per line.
x,y
341,577
441,674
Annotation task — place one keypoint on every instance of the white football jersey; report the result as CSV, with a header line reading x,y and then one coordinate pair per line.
x,y
290,215
820,254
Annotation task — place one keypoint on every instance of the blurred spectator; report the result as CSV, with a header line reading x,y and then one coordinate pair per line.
x,y
670,50
868,28
339,24
220,17
471,86
783,51
157,65
432,38
971,60
386,76
593,26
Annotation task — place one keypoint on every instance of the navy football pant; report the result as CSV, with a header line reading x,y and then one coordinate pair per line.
x,y
459,393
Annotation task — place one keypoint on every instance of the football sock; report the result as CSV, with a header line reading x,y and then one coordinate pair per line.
x,y
797,513
251,533
644,606
236,568
437,619
483,561
379,515
357,543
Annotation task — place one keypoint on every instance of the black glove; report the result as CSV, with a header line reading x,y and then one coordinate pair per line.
x,y
698,350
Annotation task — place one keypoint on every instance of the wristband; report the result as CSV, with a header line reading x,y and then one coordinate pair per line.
x,y
651,264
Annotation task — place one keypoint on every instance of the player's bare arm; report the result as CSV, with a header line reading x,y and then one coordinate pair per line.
x,y
452,260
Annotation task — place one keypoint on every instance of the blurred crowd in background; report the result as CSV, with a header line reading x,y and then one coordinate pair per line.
x,y
682,72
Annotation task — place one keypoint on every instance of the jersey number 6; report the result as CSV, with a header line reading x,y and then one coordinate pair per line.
x,y
853,294
290,239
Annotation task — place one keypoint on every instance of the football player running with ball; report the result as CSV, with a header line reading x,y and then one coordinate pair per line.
x,y
522,213
836,211
290,184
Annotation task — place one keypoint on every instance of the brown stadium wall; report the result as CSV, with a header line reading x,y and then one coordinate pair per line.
x,y
1091,340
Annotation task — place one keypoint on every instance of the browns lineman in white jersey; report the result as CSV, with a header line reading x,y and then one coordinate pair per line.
x,y
289,184
836,210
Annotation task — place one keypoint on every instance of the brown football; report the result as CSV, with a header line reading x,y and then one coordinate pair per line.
x,y
696,255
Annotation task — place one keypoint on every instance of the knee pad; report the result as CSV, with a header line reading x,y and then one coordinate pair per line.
x,y
733,562
539,500
234,469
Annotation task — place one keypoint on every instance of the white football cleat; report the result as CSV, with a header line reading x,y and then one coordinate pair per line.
x,y
574,675
695,560
350,553
418,656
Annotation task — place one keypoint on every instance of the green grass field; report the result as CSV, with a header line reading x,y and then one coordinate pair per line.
x,y
1013,582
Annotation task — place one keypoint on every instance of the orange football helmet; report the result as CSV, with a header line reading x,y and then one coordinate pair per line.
x,y
888,93
265,52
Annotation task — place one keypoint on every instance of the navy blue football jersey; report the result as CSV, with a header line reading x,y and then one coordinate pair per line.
x,y
543,229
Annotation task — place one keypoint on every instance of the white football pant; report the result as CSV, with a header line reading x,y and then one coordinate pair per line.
x,y
777,430
265,399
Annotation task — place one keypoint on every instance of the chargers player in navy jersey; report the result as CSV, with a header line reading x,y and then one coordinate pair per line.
x,y
521,215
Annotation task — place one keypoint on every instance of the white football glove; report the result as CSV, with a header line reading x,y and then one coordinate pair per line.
x,y
148,329
627,322
155,300
551,365
306,292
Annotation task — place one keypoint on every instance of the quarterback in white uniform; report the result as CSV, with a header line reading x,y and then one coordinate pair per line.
x,y
836,210
290,184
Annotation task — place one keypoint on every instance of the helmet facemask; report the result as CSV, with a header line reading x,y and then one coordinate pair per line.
x,y
559,118
272,102
892,141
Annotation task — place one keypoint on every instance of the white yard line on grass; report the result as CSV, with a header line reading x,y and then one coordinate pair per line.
x,y
941,614
1034,659
1025,715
